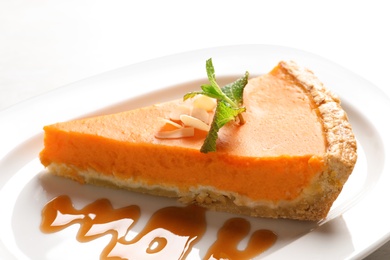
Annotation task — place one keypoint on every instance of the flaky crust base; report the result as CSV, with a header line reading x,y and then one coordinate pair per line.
x,y
315,201
308,208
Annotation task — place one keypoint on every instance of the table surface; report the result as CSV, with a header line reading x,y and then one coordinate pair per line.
x,y
48,44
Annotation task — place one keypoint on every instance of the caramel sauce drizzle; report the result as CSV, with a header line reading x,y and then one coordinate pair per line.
x,y
96,219
231,234
170,233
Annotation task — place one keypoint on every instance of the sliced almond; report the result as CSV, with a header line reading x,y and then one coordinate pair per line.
x,y
178,111
174,134
170,122
201,114
194,122
205,102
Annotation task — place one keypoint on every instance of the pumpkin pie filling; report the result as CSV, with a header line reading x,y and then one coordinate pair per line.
x,y
275,165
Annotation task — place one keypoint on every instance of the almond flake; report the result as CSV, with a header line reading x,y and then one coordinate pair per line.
x,y
178,133
170,122
194,122
201,114
178,111
205,102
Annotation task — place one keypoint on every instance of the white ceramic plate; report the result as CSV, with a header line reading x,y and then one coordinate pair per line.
x,y
357,224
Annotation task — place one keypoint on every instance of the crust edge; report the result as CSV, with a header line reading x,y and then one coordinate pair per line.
x,y
341,153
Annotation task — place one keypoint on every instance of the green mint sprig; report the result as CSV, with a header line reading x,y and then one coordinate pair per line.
x,y
229,104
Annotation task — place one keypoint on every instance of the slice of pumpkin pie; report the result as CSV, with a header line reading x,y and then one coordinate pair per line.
x,y
290,159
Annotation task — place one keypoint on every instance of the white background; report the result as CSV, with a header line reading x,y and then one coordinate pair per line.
x,y
48,44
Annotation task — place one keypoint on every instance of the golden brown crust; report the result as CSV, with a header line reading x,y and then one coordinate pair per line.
x,y
341,154
314,202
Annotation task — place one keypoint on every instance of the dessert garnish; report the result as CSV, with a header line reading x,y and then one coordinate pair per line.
x,y
228,107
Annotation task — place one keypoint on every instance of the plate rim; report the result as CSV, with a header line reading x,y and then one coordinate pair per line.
x,y
23,109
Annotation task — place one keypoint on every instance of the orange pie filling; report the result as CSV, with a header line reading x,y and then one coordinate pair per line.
x,y
273,157
273,179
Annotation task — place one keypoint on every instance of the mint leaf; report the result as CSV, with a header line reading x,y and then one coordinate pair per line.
x,y
213,91
211,72
235,90
229,104
224,113
208,91
192,94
